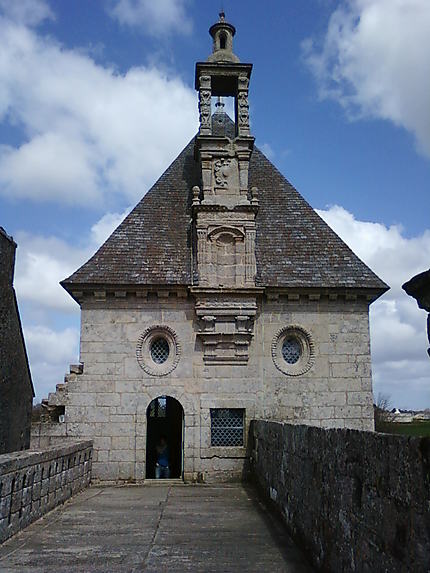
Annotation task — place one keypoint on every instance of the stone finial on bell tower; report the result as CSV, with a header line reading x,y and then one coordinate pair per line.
x,y
222,33
224,160
223,75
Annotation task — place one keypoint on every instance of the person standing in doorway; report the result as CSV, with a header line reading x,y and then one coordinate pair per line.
x,y
162,470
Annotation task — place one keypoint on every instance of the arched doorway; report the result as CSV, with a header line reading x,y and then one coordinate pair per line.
x,y
165,417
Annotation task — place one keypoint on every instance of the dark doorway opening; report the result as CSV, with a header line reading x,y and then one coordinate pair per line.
x,y
165,417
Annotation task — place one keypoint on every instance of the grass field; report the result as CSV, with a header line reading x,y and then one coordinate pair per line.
x,y
411,429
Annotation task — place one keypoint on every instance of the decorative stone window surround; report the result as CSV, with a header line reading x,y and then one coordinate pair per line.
x,y
227,426
307,356
143,350
208,451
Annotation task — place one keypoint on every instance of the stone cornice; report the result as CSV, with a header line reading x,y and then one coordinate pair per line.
x,y
86,293
82,293
239,291
323,293
216,69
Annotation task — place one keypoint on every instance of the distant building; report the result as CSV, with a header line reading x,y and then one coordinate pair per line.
x,y
222,297
16,388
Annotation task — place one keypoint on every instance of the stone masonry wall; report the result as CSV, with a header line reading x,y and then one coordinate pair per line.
x,y
16,390
337,391
355,501
108,401
34,482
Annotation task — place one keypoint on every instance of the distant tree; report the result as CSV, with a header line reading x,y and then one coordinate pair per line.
x,y
37,410
384,414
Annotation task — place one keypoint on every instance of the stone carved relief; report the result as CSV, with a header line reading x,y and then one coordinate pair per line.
x,y
222,172
233,232
224,169
196,195
205,108
207,178
225,182
205,105
243,108
202,256
250,261
243,82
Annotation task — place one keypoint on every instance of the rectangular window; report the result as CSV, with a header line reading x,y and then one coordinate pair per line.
x,y
227,426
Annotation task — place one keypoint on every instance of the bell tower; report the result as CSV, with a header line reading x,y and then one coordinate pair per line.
x,y
224,209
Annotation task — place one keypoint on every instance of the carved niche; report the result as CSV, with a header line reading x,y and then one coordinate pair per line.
x,y
228,247
226,255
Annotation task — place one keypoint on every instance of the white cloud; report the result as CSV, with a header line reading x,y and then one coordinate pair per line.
x,y
42,262
88,131
268,151
394,257
29,12
375,61
401,367
101,230
40,341
155,18
49,354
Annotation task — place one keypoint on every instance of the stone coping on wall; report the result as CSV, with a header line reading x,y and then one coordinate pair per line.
x,y
15,461
355,501
32,482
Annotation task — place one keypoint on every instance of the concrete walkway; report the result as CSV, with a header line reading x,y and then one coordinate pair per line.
x,y
174,528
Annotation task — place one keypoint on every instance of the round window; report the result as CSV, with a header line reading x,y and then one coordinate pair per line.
x,y
159,350
293,350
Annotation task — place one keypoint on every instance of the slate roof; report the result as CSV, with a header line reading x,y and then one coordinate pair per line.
x,y
294,246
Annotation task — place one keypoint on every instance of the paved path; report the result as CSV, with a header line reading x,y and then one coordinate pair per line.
x,y
175,528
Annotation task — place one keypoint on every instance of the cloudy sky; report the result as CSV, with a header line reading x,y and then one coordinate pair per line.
x,y
97,98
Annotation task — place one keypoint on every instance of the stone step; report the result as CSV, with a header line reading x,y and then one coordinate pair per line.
x,y
76,368
171,481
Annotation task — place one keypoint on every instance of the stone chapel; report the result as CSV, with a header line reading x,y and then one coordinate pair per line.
x,y
221,298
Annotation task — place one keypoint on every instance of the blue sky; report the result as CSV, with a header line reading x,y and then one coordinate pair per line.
x,y
97,98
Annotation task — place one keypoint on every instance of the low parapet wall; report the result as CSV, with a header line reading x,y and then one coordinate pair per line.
x,y
34,482
355,501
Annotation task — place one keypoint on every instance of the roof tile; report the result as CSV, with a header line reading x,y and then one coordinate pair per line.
x,y
294,246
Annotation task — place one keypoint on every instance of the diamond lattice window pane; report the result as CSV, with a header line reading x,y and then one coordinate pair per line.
x,y
227,427
158,407
160,350
291,350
